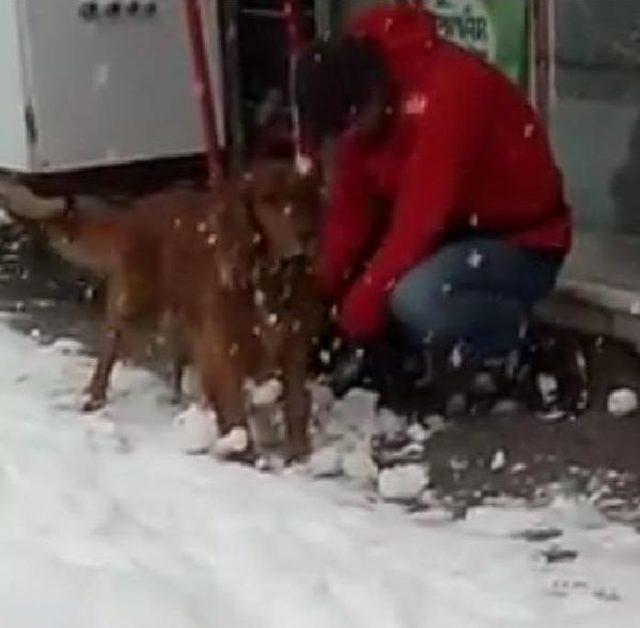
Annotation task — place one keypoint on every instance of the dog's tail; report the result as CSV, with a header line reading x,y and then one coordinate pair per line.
x,y
86,240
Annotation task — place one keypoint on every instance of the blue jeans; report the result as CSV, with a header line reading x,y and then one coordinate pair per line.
x,y
478,293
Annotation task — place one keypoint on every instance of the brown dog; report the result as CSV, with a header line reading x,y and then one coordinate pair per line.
x,y
227,272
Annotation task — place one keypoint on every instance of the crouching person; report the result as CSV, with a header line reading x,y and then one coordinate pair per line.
x,y
446,215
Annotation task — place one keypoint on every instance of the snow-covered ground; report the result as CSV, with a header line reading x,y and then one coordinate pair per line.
x,y
106,523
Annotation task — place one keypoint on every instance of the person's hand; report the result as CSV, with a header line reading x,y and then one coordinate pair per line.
x,y
364,312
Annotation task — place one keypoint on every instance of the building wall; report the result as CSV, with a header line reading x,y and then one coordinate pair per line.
x,y
13,147
596,121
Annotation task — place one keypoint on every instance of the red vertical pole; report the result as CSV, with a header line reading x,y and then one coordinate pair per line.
x,y
203,86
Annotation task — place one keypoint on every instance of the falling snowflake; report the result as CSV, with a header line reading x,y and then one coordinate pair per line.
x,y
212,240
427,339
529,130
473,221
457,356
257,238
259,298
201,227
417,104
272,320
177,223
325,357
499,461
447,288
287,210
524,330
304,165
234,349
475,259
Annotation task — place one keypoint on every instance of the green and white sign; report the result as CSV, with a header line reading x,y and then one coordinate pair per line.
x,y
494,29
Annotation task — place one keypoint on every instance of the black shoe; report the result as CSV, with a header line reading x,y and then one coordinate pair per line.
x,y
348,373
558,382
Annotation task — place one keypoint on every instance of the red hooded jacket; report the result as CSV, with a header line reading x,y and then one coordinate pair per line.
x,y
465,150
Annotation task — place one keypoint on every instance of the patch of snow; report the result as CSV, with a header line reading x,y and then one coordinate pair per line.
x,y
436,423
388,422
326,462
402,483
66,346
548,387
499,461
197,429
622,402
5,218
418,433
357,465
106,523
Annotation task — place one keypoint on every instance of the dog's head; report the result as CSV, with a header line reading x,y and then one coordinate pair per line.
x,y
284,207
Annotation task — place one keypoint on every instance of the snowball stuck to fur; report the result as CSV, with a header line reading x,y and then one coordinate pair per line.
x,y
622,402
265,394
235,442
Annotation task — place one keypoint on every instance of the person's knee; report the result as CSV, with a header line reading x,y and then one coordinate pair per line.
x,y
417,308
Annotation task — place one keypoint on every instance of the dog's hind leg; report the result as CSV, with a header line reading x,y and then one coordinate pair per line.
x,y
97,389
122,310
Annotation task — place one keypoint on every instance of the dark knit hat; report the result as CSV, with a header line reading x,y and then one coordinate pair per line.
x,y
336,79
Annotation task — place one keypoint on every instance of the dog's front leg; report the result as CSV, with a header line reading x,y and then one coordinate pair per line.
x,y
220,370
297,401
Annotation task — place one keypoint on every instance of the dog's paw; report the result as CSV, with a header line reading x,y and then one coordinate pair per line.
x,y
297,452
92,403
